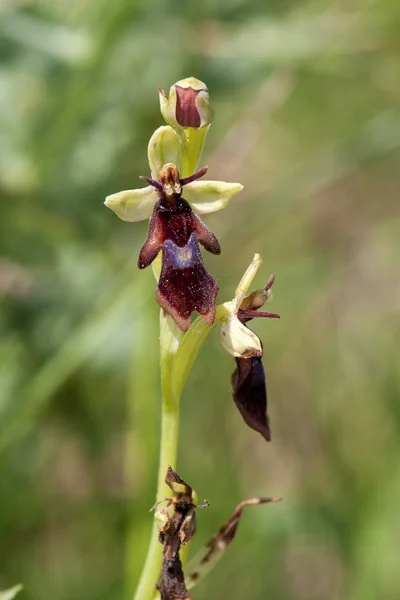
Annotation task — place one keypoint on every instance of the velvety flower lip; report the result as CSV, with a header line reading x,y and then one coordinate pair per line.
x,y
248,381
184,285
165,148
250,394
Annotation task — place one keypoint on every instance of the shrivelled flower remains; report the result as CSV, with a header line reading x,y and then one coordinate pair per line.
x,y
176,524
175,229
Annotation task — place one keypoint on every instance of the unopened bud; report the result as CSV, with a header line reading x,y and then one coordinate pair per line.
x,y
187,105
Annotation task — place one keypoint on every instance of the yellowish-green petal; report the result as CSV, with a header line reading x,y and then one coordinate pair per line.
x,y
210,196
246,281
238,340
164,147
133,205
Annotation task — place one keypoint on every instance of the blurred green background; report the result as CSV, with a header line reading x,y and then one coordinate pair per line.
x,y
306,95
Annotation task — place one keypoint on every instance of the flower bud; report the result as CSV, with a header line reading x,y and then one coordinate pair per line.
x,y
187,104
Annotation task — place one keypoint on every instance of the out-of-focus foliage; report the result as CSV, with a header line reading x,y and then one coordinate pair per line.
x,y
11,593
307,96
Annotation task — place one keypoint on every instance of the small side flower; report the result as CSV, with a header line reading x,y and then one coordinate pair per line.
x,y
248,381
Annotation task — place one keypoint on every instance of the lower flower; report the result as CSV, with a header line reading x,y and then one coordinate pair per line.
x,y
250,394
248,381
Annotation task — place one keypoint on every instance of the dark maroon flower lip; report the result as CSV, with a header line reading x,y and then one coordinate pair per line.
x,y
250,394
185,285
249,388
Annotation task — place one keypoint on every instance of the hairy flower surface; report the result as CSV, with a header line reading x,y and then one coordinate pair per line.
x,y
175,229
184,285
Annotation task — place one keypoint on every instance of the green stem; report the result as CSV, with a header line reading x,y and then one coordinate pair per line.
x,y
169,340
168,452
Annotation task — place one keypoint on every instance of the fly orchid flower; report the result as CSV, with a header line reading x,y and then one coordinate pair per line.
x,y
175,229
248,381
185,284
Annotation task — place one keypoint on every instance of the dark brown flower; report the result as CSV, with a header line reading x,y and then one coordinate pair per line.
x,y
185,285
248,381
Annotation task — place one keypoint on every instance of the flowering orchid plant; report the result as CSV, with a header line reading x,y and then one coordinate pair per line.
x,y
175,200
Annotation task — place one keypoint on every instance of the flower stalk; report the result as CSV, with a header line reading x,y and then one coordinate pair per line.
x,y
170,410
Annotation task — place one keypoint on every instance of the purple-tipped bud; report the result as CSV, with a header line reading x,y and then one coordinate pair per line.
x,y
187,105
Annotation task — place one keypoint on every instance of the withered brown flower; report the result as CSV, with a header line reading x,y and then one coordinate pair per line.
x,y
176,523
185,285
